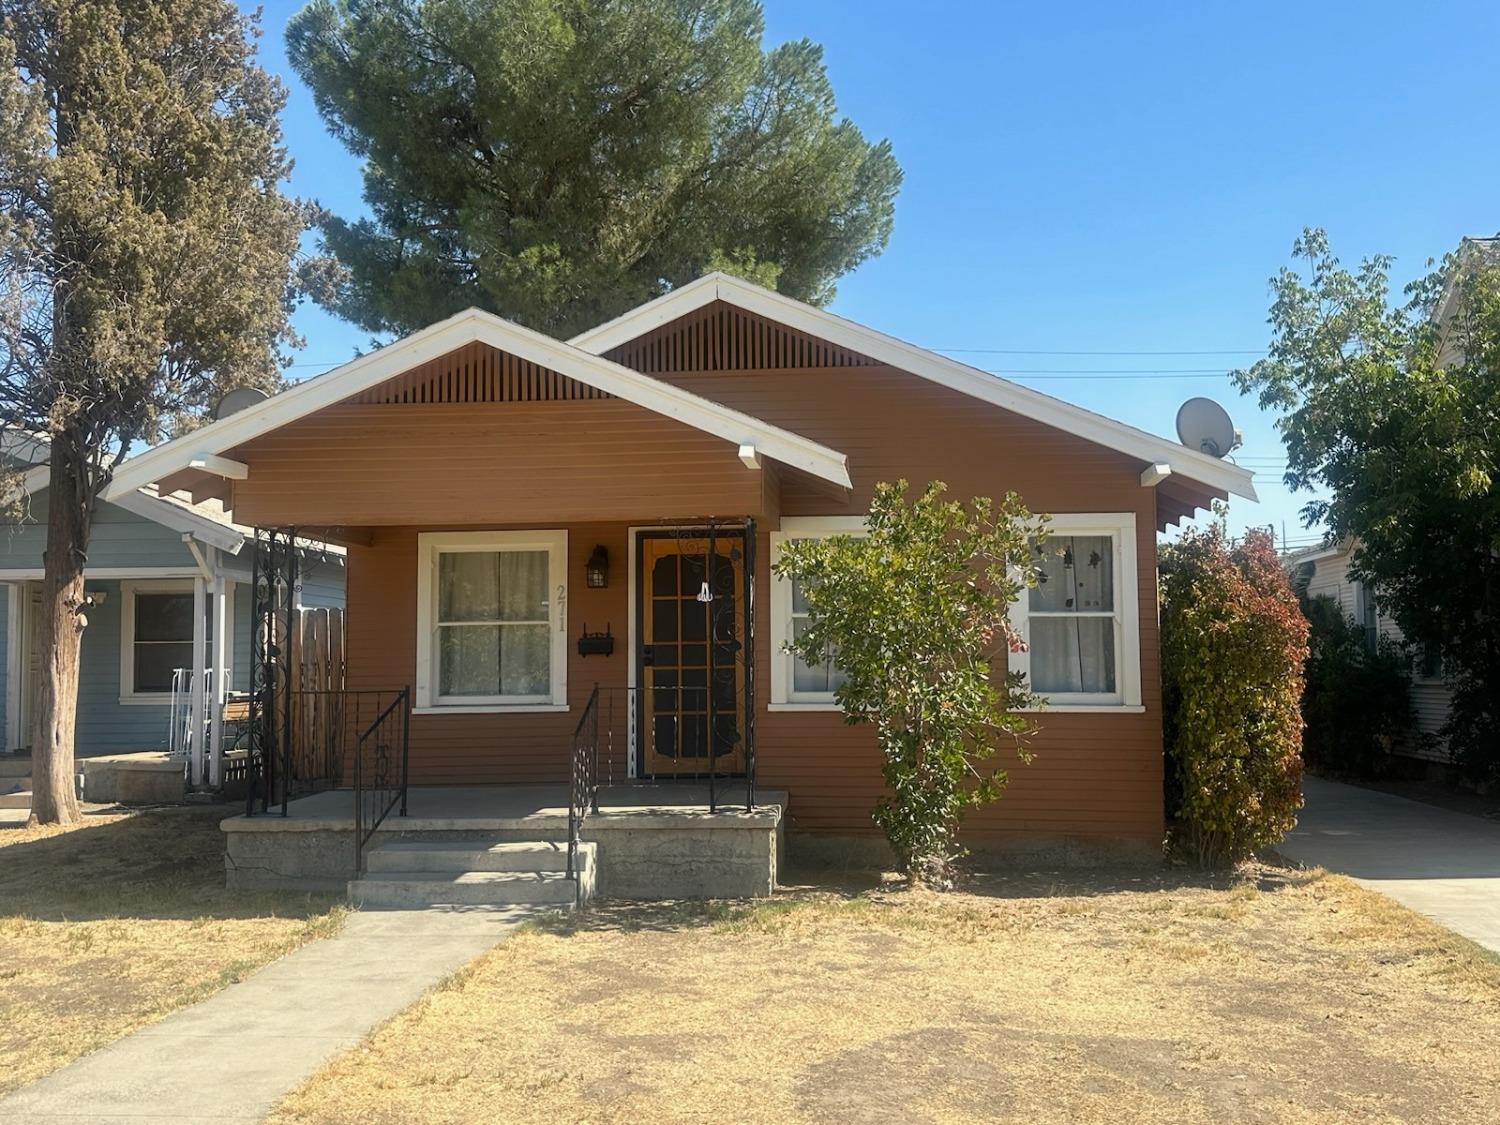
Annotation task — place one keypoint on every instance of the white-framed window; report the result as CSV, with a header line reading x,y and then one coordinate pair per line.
x,y
156,637
795,684
1428,666
492,620
1082,622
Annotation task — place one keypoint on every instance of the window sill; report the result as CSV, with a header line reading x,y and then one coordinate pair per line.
x,y
490,709
1085,709
164,699
805,707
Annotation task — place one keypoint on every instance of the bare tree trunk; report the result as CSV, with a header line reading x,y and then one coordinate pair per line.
x,y
69,507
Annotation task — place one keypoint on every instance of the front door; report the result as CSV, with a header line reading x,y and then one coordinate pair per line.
x,y
691,660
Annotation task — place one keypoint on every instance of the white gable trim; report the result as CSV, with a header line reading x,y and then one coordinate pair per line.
x,y
441,338
175,517
919,361
178,518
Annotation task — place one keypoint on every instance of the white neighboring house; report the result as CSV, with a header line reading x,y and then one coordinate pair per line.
x,y
1327,572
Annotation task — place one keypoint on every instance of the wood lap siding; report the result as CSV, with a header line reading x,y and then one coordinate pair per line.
x,y
481,749
1093,775
370,464
595,466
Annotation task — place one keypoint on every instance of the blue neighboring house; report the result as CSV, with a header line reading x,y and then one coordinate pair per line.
x,y
153,560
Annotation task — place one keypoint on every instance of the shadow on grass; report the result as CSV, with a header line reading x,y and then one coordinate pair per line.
x,y
855,890
165,863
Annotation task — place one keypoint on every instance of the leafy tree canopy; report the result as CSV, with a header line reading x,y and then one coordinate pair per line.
x,y
916,611
145,265
1394,410
560,161
144,242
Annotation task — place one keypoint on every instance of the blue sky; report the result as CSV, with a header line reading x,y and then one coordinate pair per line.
x,y
1112,179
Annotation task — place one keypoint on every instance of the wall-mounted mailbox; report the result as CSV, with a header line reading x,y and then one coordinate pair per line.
x,y
596,644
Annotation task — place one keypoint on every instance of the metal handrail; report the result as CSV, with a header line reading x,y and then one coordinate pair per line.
x,y
583,787
381,792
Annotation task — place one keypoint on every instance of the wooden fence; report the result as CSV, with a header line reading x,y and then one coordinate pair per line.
x,y
315,661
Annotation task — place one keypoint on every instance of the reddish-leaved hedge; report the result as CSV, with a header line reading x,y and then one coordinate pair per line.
x,y
1233,645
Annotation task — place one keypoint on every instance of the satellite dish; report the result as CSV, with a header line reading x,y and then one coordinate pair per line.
x,y
1204,425
235,401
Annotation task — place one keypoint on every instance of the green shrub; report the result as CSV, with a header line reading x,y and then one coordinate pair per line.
x,y
1233,644
1357,704
916,611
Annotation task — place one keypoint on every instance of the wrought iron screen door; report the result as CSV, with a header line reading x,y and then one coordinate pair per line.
x,y
692,697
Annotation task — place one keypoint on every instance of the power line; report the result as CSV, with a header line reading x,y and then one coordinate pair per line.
x,y
1026,351
1108,374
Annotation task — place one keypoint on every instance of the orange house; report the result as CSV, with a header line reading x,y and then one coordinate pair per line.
x,y
559,569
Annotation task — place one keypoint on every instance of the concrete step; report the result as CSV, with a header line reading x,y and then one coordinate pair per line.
x,y
17,800
15,765
475,855
14,818
415,890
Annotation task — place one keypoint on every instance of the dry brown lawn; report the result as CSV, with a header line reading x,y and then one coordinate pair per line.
x,y
112,924
1278,996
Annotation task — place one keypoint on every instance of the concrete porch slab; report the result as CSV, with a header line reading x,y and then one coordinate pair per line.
x,y
490,808
652,841
147,778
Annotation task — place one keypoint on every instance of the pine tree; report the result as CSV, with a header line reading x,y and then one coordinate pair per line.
x,y
561,161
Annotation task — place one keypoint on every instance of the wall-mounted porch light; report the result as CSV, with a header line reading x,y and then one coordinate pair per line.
x,y
596,570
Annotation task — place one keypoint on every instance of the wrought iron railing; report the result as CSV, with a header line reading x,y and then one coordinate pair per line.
x,y
695,739
611,746
381,757
583,786
311,743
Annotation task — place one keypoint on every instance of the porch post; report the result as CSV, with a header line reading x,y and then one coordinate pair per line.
x,y
749,651
15,664
217,679
200,642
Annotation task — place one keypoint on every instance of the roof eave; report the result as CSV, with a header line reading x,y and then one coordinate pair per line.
x,y
897,353
467,327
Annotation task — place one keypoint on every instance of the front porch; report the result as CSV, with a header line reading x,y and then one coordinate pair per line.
x,y
649,841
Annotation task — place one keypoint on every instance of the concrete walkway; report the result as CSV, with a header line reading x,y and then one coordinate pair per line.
x,y
1443,864
232,1056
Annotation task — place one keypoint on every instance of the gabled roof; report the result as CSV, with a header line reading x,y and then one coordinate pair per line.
x,y
1318,552
466,327
930,365
200,521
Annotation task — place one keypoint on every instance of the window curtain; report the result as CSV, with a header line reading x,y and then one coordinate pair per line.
x,y
493,633
1071,650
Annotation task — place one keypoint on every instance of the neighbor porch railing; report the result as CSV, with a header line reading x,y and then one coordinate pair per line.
x,y
180,712
381,759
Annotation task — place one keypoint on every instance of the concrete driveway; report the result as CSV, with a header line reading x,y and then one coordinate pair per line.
x,y
1443,864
